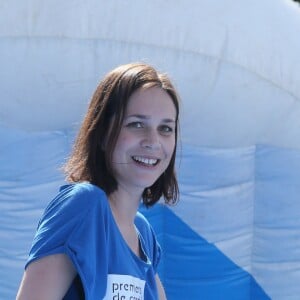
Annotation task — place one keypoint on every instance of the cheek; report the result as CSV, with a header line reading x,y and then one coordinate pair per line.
x,y
170,148
124,142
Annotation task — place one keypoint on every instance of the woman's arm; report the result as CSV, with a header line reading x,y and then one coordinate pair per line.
x,y
160,288
48,278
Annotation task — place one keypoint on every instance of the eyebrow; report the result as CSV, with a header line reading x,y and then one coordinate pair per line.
x,y
145,117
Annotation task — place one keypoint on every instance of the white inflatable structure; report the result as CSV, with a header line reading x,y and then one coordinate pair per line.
x,y
236,65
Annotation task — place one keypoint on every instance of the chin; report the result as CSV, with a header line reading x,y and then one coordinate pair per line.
x,y
146,183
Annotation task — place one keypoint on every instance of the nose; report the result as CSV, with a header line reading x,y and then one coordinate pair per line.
x,y
151,140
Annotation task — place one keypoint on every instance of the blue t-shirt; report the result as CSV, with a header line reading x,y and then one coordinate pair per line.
x,y
79,223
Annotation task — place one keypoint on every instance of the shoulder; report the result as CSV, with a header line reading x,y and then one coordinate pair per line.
x,y
148,239
140,220
144,227
76,199
81,190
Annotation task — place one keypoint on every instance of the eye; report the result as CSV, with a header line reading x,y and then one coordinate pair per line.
x,y
135,124
165,129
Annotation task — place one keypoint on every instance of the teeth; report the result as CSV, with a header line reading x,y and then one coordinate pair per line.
x,y
147,161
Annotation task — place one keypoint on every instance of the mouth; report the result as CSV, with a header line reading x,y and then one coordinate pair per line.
x,y
146,161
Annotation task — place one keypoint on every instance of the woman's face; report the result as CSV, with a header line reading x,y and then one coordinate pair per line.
x,y
146,141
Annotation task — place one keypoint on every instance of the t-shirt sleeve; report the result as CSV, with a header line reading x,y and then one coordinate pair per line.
x,y
60,220
73,224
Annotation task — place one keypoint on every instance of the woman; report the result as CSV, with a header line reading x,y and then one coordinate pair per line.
x,y
91,243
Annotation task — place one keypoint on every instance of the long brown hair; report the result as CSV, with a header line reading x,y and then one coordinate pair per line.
x,y
89,160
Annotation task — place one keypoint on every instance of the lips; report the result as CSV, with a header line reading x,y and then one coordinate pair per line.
x,y
146,160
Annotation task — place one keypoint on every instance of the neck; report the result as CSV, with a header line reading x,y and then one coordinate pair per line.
x,y
124,206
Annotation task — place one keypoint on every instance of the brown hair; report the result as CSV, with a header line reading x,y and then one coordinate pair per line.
x,y
102,124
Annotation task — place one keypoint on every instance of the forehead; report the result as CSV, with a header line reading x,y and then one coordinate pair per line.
x,y
152,101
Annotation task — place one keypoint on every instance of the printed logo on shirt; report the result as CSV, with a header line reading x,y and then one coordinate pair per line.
x,y
124,287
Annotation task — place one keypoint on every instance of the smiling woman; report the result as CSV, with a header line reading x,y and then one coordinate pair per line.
x,y
124,153
92,156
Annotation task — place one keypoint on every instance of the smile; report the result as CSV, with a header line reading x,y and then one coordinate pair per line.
x,y
145,161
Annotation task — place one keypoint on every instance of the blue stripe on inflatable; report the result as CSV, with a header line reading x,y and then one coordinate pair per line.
x,y
192,268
